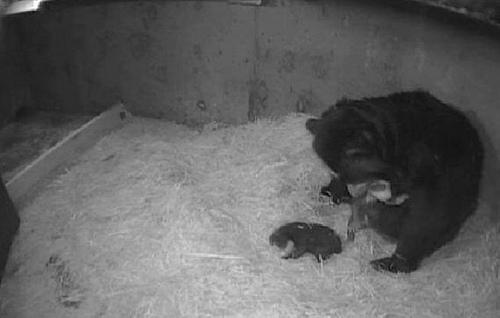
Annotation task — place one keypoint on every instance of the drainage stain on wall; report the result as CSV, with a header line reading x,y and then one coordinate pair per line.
x,y
287,62
160,73
307,102
150,17
320,66
140,45
257,100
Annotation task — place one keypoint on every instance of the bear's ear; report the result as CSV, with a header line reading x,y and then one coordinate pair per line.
x,y
312,125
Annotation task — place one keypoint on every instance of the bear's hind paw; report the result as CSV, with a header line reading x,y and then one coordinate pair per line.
x,y
393,264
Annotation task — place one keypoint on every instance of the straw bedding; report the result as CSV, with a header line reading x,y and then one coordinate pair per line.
x,y
159,220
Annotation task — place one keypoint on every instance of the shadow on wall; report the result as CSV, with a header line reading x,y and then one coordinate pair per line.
x,y
491,171
488,10
15,91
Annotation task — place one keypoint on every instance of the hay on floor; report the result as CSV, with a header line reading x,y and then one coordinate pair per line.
x,y
158,220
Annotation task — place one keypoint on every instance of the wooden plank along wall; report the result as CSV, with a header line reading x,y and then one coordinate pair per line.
x,y
66,150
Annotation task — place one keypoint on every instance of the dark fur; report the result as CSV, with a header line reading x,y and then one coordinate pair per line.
x,y
317,239
385,219
373,206
424,148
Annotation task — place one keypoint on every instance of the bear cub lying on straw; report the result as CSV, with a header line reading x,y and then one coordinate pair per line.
x,y
298,238
424,149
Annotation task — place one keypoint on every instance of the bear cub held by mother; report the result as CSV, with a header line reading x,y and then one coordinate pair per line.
x,y
423,148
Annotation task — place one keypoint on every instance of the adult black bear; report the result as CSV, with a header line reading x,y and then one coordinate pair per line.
x,y
424,148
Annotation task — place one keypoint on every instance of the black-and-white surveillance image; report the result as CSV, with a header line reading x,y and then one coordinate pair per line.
x,y
249,158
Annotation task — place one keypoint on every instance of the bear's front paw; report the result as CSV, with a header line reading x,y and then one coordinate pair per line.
x,y
325,191
394,264
351,234
335,197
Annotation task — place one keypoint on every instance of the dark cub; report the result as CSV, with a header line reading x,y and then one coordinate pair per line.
x,y
298,238
423,148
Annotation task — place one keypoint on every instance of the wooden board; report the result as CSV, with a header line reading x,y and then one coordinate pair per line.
x,y
66,150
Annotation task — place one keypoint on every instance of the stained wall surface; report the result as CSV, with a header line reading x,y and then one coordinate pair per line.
x,y
187,61
197,61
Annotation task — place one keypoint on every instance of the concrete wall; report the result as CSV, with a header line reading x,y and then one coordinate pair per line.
x,y
161,58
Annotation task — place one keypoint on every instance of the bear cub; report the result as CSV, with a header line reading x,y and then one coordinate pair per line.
x,y
298,238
